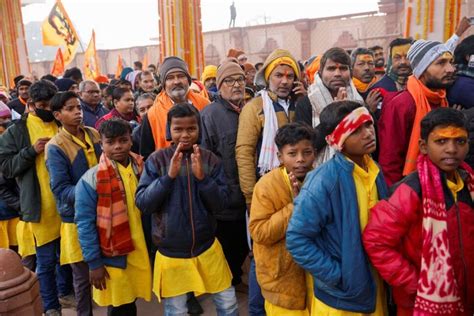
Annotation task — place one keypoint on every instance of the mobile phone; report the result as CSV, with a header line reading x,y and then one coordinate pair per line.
x,y
471,20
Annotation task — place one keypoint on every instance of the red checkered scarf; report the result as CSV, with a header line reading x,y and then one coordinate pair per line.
x,y
437,292
349,124
112,215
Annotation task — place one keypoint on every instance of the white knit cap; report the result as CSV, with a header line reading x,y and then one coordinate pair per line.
x,y
422,53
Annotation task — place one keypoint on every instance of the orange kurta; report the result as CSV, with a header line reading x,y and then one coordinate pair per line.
x,y
157,115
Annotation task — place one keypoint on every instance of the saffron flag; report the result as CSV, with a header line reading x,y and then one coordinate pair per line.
x,y
58,66
91,62
57,30
119,67
145,61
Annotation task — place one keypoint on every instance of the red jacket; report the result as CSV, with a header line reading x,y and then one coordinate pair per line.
x,y
394,131
393,240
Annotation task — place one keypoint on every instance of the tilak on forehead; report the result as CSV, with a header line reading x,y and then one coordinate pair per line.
x,y
449,132
365,57
447,55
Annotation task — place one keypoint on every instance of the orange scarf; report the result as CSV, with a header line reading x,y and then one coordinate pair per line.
x,y
313,68
23,101
157,115
361,86
113,227
424,98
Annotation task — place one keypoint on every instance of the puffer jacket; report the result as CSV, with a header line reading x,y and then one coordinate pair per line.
x,y
325,239
219,135
282,281
250,137
393,239
66,163
183,224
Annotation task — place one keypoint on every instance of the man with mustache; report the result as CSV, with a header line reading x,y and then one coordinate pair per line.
x,y
220,121
398,66
176,80
379,60
363,70
331,83
256,151
363,76
399,124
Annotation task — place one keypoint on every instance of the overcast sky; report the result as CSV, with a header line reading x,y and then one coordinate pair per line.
x,y
125,23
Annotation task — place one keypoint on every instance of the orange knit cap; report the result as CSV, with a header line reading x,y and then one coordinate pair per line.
x,y
101,79
234,53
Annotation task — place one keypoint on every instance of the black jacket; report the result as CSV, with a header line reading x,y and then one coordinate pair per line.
x,y
16,105
304,111
17,160
146,145
9,199
219,135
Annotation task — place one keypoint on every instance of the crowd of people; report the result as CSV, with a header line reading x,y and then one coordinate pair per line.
x,y
346,179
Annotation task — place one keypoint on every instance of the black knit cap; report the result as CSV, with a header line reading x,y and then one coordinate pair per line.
x,y
173,62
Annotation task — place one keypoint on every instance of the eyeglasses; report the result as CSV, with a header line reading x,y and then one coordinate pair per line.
x,y
231,81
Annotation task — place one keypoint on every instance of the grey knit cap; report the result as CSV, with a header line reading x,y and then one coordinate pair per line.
x,y
173,62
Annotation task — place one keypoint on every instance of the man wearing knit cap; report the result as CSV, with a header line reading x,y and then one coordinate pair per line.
x,y
220,121
208,78
66,84
5,114
250,73
238,54
256,151
399,124
176,80
19,104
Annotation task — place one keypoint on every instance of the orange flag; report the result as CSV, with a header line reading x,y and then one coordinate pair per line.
x,y
145,61
91,62
57,30
119,67
58,66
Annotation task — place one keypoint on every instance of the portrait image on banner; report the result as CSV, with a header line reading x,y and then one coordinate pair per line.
x,y
58,30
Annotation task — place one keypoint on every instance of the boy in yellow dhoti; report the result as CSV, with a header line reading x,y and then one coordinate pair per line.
x,y
182,185
69,155
109,225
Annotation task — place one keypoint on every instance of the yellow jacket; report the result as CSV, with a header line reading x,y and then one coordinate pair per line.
x,y
249,139
281,279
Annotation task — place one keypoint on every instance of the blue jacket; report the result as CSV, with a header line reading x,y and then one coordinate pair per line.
x,y
86,221
386,83
91,116
324,237
183,208
66,163
462,92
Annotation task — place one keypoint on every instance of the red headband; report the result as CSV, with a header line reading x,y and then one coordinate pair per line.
x,y
349,124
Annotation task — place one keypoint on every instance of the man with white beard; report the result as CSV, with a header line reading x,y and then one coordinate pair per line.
x,y
176,80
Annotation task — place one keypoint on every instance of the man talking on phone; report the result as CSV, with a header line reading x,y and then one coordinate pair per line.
x,y
22,157
259,120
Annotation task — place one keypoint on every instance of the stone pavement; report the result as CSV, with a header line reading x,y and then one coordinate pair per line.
x,y
154,308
